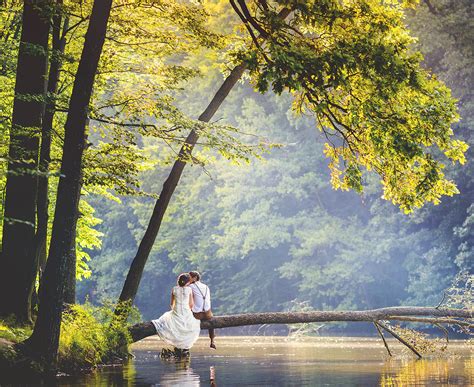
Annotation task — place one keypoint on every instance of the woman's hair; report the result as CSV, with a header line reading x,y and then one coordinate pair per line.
x,y
183,279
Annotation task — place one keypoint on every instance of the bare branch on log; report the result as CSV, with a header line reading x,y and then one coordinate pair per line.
x,y
400,339
445,331
383,338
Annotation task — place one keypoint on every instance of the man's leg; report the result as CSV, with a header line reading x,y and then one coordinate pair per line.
x,y
212,336
212,333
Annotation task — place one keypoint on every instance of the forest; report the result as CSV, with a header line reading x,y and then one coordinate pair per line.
x,y
302,155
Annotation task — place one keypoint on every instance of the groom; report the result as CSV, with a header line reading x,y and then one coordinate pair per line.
x,y
202,302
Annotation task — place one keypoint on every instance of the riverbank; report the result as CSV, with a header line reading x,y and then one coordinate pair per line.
x,y
90,338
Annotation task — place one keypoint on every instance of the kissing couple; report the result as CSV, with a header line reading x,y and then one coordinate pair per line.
x,y
190,303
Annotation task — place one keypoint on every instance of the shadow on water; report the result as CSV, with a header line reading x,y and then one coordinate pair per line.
x,y
267,361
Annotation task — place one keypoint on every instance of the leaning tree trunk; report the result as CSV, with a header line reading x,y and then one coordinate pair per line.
x,y
59,44
18,273
45,338
135,272
461,318
130,287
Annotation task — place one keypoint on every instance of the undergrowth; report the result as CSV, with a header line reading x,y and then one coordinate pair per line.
x,y
90,336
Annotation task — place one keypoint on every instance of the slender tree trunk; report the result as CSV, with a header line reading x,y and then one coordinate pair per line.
x,y
461,317
130,287
135,272
17,276
45,338
59,44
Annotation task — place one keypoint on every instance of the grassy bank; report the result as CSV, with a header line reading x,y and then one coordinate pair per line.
x,y
89,338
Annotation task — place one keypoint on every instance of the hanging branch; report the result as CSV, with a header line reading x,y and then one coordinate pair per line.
x,y
383,337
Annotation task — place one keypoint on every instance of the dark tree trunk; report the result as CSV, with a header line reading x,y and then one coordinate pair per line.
x,y
135,272
413,314
44,340
59,44
70,275
18,272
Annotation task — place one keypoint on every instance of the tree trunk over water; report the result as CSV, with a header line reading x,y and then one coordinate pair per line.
x,y
462,317
17,276
44,340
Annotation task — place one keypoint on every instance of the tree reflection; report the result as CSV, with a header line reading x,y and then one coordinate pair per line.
x,y
440,371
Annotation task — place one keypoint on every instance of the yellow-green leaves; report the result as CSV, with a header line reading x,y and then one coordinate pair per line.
x,y
351,65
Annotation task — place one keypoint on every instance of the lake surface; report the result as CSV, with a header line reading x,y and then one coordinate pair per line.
x,y
278,361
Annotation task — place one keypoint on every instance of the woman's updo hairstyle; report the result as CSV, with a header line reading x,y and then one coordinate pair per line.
x,y
183,279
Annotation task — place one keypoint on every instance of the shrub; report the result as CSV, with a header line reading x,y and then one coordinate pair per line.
x,y
91,336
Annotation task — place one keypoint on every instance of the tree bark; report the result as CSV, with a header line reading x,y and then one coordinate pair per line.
x,y
130,287
44,340
59,44
17,276
142,330
70,275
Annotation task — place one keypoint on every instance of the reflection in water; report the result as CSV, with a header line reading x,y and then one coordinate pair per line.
x,y
129,374
183,375
438,371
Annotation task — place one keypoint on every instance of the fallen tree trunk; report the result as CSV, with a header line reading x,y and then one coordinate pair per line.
x,y
460,317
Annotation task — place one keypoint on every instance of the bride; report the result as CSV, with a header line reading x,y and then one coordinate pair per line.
x,y
178,327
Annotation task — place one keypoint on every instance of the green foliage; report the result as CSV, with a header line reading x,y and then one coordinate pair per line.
x,y
11,331
351,65
142,66
90,336
88,238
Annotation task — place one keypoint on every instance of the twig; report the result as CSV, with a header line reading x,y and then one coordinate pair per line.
x,y
383,338
400,339
444,330
442,300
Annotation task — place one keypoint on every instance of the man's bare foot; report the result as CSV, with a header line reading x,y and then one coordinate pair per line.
x,y
213,346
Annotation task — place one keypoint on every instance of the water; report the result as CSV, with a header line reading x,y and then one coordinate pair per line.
x,y
267,361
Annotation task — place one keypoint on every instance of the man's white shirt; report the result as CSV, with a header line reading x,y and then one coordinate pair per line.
x,y
200,291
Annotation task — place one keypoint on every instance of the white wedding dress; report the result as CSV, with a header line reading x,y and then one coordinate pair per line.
x,y
178,327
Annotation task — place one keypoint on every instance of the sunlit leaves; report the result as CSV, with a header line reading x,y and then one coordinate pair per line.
x,y
351,65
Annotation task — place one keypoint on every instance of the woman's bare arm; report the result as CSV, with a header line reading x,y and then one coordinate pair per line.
x,y
172,300
191,300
